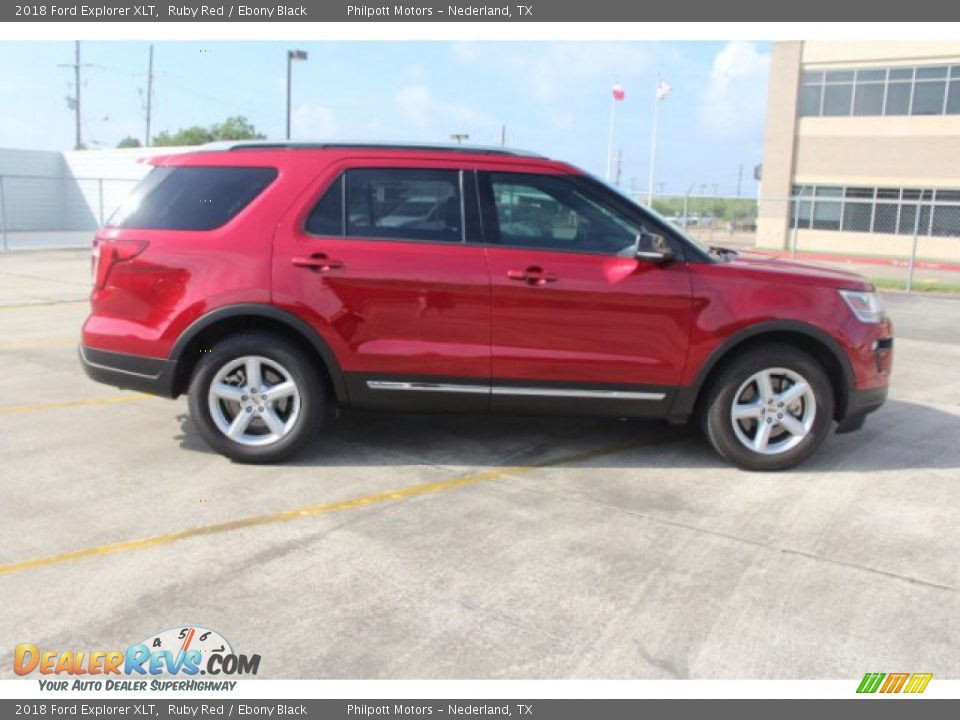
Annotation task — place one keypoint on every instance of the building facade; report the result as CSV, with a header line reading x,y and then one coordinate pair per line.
x,y
862,149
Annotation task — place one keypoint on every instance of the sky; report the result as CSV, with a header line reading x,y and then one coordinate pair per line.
x,y
553,97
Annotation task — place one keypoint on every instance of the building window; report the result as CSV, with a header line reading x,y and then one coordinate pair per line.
x,y
895,211
921,90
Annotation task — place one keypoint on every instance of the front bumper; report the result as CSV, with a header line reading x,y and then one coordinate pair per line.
x,y
861,403
154,376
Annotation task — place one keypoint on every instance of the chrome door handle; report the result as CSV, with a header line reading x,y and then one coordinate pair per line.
x,y
318,262
533,275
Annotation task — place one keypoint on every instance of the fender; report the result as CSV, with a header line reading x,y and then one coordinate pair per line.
x,y
298,325
686,397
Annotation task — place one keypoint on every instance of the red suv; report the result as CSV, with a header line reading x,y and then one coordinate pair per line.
x,y
274,281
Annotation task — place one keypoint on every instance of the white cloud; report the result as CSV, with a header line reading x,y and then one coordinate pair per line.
x,y
734,103
433,118
314,121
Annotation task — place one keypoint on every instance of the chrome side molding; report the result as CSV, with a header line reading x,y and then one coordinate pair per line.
x,y
514,390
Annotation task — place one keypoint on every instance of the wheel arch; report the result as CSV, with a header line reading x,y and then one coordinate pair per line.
x,y
812,340
222,322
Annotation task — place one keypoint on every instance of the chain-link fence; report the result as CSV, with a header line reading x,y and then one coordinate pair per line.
x,y
59,211
899,237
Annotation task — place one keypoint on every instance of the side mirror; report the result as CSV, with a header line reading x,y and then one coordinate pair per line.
x,y
653,248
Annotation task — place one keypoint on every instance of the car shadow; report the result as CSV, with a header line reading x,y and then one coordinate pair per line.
x,y
901,435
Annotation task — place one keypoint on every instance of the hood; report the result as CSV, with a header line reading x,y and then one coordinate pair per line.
x,y
793,271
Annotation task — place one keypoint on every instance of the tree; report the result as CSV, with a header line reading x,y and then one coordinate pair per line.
x,y
233,128
129,142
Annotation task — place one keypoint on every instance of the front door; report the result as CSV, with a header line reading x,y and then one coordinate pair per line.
x,y
579,323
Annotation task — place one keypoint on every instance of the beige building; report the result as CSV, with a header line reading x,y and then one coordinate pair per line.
x,y
865,139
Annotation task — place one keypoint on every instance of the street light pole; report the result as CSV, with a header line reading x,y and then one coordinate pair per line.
x,y
292,55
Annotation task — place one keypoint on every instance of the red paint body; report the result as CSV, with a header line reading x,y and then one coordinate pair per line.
x,y
457,309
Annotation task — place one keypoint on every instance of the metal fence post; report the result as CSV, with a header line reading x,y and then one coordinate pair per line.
x,y
913,249
100,194
796,223
3,215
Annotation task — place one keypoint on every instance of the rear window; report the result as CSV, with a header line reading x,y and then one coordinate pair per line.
x,y
191,198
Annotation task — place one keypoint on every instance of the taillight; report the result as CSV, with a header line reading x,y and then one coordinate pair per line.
x,y
107,253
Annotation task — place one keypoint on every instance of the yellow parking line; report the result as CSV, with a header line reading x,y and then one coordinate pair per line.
x,y
310,511
92,402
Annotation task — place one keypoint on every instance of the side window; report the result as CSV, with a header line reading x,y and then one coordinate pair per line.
x,y
553,213
191,197
326,218
407,204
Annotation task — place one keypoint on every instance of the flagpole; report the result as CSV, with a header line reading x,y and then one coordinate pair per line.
x,y
613,112
653,141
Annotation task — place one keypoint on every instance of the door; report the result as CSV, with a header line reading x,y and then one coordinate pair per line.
x,y
377,260
579,323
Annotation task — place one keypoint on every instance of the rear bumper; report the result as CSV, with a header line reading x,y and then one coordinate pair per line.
x,y
130,372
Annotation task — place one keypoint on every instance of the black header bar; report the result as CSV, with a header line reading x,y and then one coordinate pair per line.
x,y
500,11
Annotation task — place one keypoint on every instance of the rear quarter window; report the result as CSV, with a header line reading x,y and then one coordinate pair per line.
x,y
191,198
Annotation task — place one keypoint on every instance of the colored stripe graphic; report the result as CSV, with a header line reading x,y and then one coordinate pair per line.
x,y
918,682
870,682
894,682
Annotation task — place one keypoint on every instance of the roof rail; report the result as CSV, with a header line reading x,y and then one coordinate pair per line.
x,y
333,145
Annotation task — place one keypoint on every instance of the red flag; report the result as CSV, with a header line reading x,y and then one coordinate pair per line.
x,y
618,93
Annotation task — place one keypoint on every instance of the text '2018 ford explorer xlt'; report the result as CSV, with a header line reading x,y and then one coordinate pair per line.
x,y
272,282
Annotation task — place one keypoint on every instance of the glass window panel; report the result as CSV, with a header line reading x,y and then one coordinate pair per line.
x,y
948,195
898,99
955,71
908,216
839,76
946,221
888,193
868,99
928,98
809,102
901,73
836,99
858,192
826,214
885,218
910,194
823,191
812,76
931,73
856,215
871,75
926,212
953,99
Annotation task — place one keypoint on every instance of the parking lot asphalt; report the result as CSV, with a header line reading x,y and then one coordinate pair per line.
x,y
413,546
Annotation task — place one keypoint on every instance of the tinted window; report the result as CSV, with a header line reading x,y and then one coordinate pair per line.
x,y
928,98
868,99
408,204
541,211
898,98
836,99
191,198
326,218
953,99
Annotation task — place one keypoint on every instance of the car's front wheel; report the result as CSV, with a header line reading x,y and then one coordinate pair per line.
x,y
256,398
770,408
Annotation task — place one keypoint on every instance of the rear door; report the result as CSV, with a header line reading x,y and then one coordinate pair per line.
x,y
579,323
377,259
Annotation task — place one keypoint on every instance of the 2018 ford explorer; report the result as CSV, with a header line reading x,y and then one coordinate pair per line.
x,y
273,282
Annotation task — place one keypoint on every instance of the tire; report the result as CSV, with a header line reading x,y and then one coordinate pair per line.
x,y
796,422
288,406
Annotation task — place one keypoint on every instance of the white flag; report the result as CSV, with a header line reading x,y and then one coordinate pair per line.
x,y
663,89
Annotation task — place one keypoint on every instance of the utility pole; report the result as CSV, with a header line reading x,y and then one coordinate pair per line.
x,y
503,136
740,180
146,140
73,102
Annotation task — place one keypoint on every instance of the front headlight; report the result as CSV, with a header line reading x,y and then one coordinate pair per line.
x,y
867,306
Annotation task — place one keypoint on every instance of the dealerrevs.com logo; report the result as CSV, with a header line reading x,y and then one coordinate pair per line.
x,y
180,652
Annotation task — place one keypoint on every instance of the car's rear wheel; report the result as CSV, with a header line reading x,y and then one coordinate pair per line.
x,y
256,398
769,408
